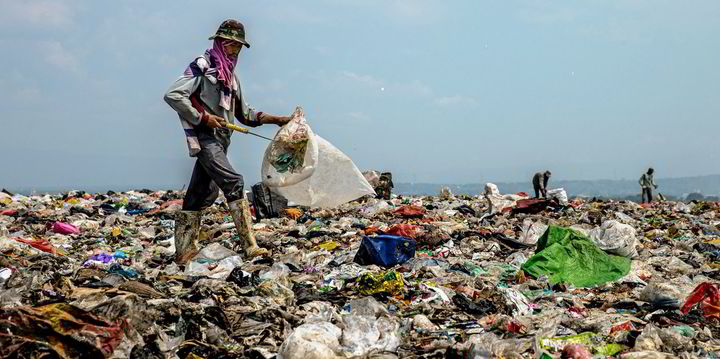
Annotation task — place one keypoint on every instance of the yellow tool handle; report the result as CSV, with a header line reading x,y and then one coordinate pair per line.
x,y
237,128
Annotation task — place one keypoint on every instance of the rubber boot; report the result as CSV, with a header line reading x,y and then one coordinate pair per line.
x,y
240,211
187,229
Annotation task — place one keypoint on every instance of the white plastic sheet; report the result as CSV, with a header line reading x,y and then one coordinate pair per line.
x,y
615,238
334,181
498,202
559,194
312,341
365,329
531,232
373,177
214,261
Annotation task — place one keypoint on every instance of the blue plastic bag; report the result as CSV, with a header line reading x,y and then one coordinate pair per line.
x,y
385,251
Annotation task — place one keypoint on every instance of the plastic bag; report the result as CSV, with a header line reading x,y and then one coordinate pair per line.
x,y
410,212
312,341
591,340
489,345
334,181
497,202
385,251
662,294
373,177
214,261
615,238
404,230
559,194
708,295
649,339
389,282
567,256
517,301
531,232
292,157
375,208
64,228
363,334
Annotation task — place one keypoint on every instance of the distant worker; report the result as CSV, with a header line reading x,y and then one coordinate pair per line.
x,y
540,182
647,183
384,189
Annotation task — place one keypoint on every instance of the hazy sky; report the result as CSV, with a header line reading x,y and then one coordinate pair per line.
x,y
436,91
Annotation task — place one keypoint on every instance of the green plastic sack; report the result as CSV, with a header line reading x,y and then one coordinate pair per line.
x,y
568,256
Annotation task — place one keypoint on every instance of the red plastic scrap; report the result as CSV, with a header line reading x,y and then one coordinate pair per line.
x,y
517,328
41,244
531,206
9,212
708,296
579,311
403,230
624,327
410,212
64,228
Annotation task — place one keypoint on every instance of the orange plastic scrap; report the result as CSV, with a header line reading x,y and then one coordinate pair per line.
x,y
711,310
708,296
294,213
41,244
403,230
411,212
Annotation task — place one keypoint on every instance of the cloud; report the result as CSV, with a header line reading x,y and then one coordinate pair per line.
x,y
456,100
364,80
290,13
26,95
57,55
420,12
270,86
43,13
413,88
548,12
358,116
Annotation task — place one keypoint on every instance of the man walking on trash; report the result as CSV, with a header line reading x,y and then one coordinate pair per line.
x,y
540,181
647,183
206,98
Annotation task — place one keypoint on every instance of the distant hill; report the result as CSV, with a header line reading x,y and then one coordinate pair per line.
x,y
675,187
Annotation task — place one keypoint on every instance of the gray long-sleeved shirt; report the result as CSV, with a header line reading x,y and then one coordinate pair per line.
x,y
209,91
647,181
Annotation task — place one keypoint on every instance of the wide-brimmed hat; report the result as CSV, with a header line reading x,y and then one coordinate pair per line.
x,y
231,30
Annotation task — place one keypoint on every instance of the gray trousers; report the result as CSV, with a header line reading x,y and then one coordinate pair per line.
x,y
212,173
647,192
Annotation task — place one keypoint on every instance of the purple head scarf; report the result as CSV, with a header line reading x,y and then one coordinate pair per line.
x,y
224,63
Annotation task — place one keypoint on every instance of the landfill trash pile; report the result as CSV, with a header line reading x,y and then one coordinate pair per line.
x,y
92,275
